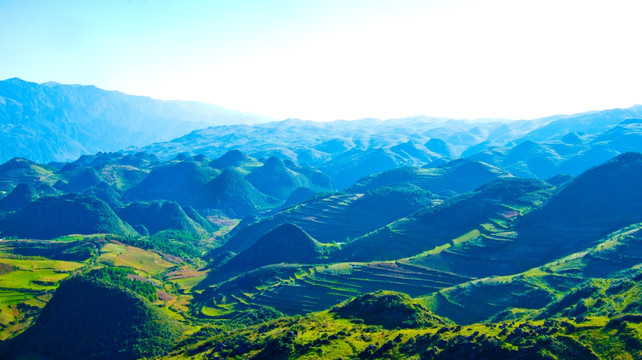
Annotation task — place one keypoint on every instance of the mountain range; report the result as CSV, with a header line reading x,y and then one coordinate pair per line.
x,y
55,122
414,238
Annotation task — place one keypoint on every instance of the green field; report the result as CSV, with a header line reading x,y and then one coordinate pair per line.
x,y
27,281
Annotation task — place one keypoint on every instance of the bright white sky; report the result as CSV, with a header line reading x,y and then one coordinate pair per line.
x,y
338,59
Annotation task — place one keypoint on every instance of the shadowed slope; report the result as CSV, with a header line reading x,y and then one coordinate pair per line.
x,y
90,319
275,179
286,243
21,195
232,193
440,224
50,217
336,217
156,216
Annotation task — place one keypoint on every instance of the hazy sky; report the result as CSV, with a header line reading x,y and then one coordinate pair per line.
x,y
327,59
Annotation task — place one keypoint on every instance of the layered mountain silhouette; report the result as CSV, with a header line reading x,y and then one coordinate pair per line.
x,y
51,121
416,237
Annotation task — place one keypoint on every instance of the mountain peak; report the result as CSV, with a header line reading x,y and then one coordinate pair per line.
x,y
273,162
231,158
441,147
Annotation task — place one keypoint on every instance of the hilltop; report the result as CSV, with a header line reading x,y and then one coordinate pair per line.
x,y
51,217
119,324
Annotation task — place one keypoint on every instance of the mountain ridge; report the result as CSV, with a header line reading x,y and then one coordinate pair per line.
x,y
51,121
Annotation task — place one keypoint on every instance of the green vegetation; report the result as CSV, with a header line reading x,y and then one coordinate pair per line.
x,y
171,242
26,284
157,216
125,278
388,309
51,217
326,336
509,268
119,325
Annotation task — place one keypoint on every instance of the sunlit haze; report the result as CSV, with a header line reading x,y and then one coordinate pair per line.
x,y
338,59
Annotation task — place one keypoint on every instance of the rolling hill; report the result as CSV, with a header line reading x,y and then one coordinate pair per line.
x,y
454,177
503,228
119,325
152,217
18,170
286,243
336,217
275,179
231,242
438,225
53,216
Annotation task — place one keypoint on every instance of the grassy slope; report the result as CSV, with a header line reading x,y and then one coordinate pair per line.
x,y
286,243
299,289
493,214
536,288
26,284
19,170
438,225
337,217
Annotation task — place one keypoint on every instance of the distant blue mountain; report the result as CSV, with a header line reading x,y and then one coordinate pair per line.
x,y
55,122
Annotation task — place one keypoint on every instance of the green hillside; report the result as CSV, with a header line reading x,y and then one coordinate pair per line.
x,y
334,218
458,176
613,260
179,181
19,170
118,325
275,179
235,159
438,225
255,255
231,192
324,335
156,216
286,243
388,309
51,217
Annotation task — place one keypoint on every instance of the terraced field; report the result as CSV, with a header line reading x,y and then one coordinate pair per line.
x,y
293,290
531,290
339,217
438,240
